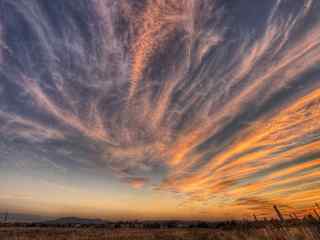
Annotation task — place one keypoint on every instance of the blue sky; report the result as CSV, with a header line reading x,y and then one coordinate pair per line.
x,y
159,109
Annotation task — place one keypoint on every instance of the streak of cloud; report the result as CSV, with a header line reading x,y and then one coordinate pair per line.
x,y
180,95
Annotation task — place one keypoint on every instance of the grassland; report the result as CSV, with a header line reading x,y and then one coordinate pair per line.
x,y
297,233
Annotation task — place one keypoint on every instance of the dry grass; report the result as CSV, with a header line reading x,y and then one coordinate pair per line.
x,y
155,234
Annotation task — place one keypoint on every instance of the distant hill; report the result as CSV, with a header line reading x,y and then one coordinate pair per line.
x,y
28,218
74,220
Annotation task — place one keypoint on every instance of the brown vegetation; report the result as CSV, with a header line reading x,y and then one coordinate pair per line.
x,y
155,234
306,228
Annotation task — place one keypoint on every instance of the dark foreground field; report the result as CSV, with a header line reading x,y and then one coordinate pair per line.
x,y
155,234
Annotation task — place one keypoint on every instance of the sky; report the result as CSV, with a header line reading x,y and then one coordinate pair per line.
x,y
159,109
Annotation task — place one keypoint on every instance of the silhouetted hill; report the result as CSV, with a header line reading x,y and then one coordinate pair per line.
x,y
75,220
27,218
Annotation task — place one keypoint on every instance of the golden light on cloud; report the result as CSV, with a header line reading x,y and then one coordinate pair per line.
x,y
184,98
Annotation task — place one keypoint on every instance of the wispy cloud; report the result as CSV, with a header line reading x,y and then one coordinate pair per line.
x,y
181,93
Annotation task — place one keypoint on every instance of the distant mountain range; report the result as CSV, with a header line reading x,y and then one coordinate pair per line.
x,y
29,218
74,220
20,217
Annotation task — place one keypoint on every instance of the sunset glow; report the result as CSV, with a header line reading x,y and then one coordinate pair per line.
x,y
160,109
